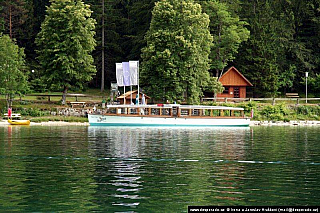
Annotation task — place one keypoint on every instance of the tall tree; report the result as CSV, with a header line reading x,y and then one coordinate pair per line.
x,y
115,23
102,51
14,13
139,13
13,80
306,52
65,43
176,59
31,27
264,58
1,22
228,33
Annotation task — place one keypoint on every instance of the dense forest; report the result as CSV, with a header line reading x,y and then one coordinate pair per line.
x,y
273,43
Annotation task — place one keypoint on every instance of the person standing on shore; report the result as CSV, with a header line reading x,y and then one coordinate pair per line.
x,y
9,113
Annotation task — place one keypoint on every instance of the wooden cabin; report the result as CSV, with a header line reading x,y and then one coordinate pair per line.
x,y
234,83
127,96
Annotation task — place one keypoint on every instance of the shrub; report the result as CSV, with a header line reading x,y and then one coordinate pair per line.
x,y
276,112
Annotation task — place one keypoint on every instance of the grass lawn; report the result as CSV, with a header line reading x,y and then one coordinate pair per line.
x,y
93,95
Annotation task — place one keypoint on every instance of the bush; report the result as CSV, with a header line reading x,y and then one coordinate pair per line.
x,y
32,112
308,110
60,118
275,113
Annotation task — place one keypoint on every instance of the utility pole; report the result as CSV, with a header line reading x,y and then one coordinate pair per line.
x,y
102,54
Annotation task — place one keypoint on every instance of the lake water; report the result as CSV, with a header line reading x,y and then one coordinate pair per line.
x,y
156,169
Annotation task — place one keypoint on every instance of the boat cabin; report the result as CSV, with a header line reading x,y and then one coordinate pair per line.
x,y
175,110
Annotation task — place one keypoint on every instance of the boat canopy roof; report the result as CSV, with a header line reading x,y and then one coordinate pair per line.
x,y
169,106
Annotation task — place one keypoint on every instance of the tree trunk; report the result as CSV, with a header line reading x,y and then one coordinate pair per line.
x,y
10,21
102,68
64,95
9,99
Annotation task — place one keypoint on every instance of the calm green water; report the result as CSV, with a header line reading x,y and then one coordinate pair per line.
x,y
156,169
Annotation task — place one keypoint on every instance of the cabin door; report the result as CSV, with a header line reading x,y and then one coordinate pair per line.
x,y
236,92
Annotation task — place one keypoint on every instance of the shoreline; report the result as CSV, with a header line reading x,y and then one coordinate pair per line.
x,y
50,123
252,123
282,123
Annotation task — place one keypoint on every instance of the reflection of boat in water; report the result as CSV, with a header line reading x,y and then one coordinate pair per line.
x,y
170,115
19,122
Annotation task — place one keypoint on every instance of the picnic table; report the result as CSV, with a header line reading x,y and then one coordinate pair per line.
x,y
76,103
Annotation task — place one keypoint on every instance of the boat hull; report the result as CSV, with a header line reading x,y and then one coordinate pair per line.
x,y
110,120
20,122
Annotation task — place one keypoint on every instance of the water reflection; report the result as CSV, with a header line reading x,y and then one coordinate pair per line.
x,y
129,142
140,169
141,161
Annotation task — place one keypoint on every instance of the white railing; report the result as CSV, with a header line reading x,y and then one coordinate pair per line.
x,y
273,100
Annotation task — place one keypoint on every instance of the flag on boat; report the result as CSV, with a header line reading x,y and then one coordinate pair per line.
x,y
133,66
126,73
119,74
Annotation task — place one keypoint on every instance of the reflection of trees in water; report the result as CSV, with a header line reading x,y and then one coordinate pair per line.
x,y
215,179
128,142
133,161
45,170
117,168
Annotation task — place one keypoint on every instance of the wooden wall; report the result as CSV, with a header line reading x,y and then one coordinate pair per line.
x,y
233,78
242,93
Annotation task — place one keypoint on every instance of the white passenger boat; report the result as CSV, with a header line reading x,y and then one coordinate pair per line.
x,y
170,115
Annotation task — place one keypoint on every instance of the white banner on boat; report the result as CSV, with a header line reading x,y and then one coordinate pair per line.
x,y
134,66
119,74
126,73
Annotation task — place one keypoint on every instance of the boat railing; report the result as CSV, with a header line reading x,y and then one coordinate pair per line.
x,y
139,110
175,111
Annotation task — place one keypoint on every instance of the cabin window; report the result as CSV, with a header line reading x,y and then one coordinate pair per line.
x,y
226,90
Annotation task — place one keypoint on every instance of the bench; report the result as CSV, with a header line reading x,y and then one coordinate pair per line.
x,y
76,103
292,95
13,115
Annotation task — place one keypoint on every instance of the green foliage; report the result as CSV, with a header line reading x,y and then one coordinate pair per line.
x,y
13,80
60,118
176,57
283,43
248,106
313,83
3,106
308,110
139,14
38,85
14,13
228,33
264,58
1,23
214,86
65,43
283,112
32,112
116,43
276,112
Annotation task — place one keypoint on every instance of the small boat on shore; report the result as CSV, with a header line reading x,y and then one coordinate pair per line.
x,y
19,122
170,115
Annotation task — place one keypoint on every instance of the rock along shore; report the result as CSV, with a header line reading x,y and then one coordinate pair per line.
x,y
282,123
